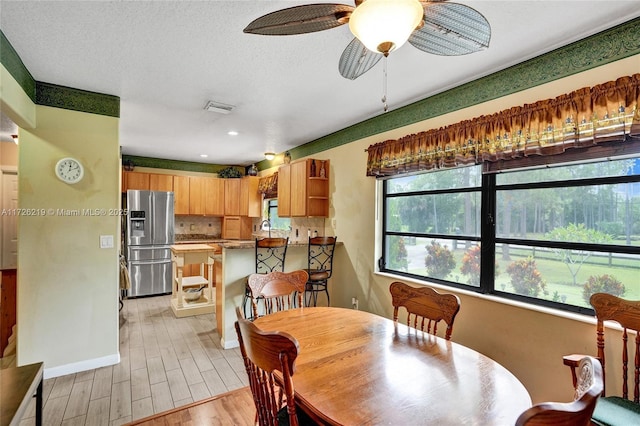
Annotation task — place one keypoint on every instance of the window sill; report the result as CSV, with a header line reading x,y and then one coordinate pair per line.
x,y
549,311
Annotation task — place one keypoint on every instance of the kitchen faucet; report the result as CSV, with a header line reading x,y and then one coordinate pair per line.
x,y
268,223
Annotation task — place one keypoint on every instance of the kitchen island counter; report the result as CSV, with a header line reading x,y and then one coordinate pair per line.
x,y
235,261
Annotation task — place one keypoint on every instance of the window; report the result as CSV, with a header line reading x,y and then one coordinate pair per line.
x,y
271,214
548,236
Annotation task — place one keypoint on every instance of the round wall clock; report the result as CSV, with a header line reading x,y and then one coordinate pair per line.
x,y
69,170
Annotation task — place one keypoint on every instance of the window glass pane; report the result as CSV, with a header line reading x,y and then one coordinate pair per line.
x,y
454,214
279,223
566,276
569,172
446,259
602,214
463,177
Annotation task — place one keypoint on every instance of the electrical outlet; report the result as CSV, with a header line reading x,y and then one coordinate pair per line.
x,y
354,303
106,241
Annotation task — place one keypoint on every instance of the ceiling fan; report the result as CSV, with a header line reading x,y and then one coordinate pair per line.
x,y
381,26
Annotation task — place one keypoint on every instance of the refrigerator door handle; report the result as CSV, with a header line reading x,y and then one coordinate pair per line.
x,y
142,248
149,262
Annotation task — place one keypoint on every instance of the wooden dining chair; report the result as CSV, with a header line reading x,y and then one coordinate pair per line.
x,y
263,354
589,385
277,290
270,254
624,409
424,306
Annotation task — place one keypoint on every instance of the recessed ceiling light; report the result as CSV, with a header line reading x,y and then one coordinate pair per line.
x,y
232,133
203,155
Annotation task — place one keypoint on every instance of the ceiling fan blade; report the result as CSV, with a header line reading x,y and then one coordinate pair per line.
x,y
301,19
451,29
356,60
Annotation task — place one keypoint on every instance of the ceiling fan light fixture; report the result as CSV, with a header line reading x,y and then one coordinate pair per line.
x,y
385,25
269,155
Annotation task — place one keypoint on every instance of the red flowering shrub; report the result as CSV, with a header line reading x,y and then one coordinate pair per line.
x,y
439,260
471,265
525,277
602,284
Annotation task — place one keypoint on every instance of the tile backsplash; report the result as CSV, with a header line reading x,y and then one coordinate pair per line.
x,y
212,226
198,225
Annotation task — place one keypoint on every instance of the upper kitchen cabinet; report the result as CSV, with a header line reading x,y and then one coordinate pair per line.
x,y
147,181
241,197
303,189
206,196
284,191
215,199
196,195
135,180
181,195
158,182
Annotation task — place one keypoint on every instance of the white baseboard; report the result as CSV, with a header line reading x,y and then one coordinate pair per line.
x,y
229,344
77,367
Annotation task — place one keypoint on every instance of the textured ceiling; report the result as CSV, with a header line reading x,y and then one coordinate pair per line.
x,y
166,59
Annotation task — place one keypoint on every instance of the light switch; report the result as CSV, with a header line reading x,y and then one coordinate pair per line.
x,y
106,241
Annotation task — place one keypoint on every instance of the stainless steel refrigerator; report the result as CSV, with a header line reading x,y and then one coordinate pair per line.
x,y
149,237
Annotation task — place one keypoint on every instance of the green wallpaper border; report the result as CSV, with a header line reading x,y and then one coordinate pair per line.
x,y
608,46
14,65
77,100
53,95
162,163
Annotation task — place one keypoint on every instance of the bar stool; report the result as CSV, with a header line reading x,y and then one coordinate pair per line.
x,y
270,257
320,267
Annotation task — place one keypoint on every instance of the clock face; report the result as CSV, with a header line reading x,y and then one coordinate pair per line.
x,y
69,170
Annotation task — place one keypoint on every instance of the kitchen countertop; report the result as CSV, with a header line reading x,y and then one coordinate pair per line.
x,y
228,244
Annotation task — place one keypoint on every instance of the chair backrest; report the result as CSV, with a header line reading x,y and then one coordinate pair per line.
x,y
321,254
278,290
627,314
270,254
424,305
590,385
263,353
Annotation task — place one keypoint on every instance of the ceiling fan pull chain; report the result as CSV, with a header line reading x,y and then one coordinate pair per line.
x,y
385,107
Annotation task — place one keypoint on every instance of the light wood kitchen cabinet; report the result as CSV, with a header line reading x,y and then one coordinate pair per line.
x,y
146,181
160,182
284,191
241,197
135,180
236,228
181,195
303,189
232,197
196,195
215,197
206,196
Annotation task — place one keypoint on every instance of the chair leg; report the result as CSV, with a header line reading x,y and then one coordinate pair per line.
x,y
245,304
326,290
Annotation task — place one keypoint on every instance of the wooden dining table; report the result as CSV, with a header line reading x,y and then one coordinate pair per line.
x,y
357,368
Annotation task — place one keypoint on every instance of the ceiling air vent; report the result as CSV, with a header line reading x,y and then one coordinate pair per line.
x,y
218,107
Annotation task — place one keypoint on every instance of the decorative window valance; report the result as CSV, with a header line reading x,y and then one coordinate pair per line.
x,y
607,112
268,186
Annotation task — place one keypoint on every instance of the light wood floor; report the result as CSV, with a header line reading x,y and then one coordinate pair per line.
x,y
166,362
